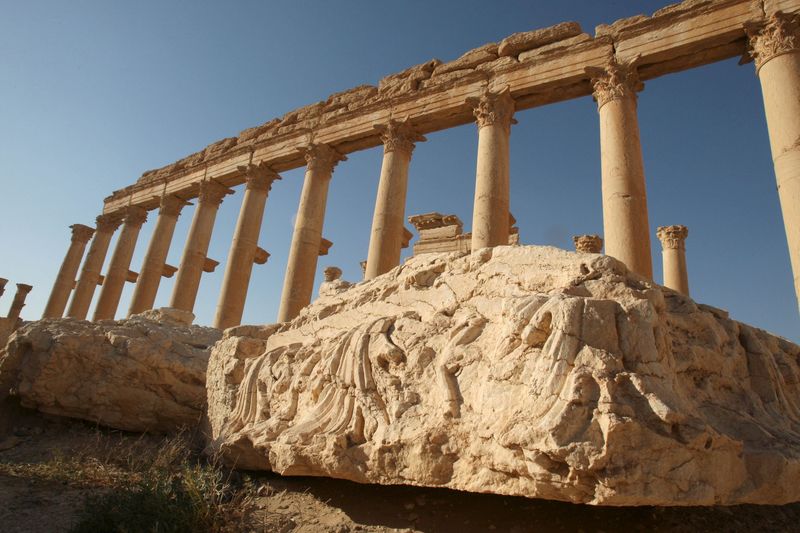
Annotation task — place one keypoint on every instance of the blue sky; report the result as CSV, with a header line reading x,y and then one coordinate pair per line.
x,y
94,93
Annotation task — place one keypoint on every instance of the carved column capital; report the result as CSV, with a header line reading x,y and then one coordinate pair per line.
x,y
81,233
494,108
777,37
321,157
212,192
615,81
109,222
259,177
398,136
588,244
673,236
171,205
135,215
23,288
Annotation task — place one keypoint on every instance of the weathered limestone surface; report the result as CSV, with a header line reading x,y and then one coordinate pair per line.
x,y
516,370
146,373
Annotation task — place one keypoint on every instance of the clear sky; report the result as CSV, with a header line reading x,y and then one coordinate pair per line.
x,y
93,93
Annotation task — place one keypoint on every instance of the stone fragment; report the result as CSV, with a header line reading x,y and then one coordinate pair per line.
x,y
521,42
519,370
407,80
136,374
356,95
469,60
557,46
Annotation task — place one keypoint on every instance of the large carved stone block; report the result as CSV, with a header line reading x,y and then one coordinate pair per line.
x,y
516,370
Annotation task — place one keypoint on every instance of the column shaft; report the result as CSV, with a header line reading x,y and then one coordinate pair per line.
x,y
144,295
673,242
626,226
242,254
120,264
187,280
65,280
386,238
778,65
90,273
301,268
490,214
19,300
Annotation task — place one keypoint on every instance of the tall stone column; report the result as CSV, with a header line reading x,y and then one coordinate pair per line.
x,y
244,245
625,222
299,281
90,272
187,281
776,50
386,239
144,295
19,300
120,264
673,243
65,280
490,215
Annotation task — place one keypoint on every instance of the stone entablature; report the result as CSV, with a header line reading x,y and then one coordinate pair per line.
x,y
445,233
539,67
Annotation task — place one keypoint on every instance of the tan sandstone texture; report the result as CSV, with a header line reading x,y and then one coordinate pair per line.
x,y
146,373
518,370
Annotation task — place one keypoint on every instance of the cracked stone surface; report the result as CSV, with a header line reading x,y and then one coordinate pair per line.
x,y
520,370
146,373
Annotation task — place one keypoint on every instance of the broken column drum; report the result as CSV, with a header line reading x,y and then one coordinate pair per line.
x,y
65,280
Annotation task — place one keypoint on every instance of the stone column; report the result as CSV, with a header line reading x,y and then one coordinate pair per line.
x,y
19,301
625,222
386,239
490,221
588,244
144,295
244,246
65,280
776,49
299,281
90,273
673,243
187,281
120,264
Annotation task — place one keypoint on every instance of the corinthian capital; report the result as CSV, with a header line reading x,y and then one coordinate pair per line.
x,y
171,205
135,215
588,244
321,157
777,37
109,222
494,108
259,177
615,81
212,192
81,233
398,136
673,236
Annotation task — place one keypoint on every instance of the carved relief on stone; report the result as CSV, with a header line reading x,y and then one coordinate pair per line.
x,y
588,244
494,108
171,205
259,177
109,222
81,233
212,192
615,81
321,157
673,236
777,37
398,135
135,215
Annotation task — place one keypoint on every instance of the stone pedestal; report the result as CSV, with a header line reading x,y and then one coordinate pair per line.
x,y
194,257
386,239
244,246
490,216
120,264
19,301
588,244
144,295
302,266
625,221
90,273
65,280
673,242
776,49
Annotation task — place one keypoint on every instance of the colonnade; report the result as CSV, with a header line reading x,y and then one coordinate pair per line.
x,y
624,200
